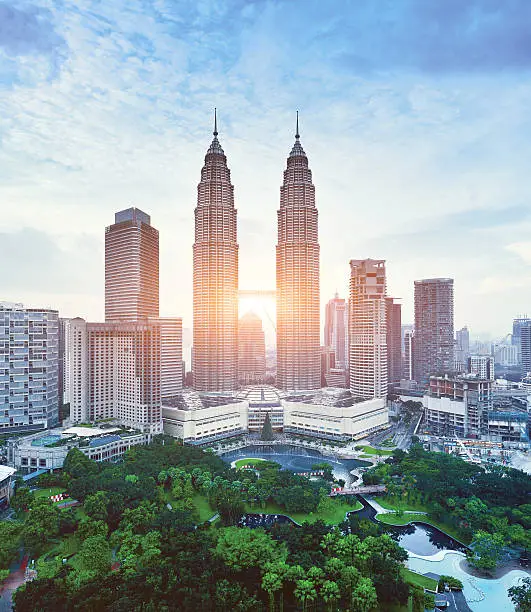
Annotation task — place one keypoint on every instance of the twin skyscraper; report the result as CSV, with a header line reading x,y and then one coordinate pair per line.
x,y
215,279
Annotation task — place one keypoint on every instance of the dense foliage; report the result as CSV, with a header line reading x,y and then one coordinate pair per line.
x,y
488,506
137,543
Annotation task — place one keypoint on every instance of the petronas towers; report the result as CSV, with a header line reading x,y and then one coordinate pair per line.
x,y
215,277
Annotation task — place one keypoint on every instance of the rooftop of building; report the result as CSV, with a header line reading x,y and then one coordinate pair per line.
x,y
261,395
6,472
328,396
81,435
192,400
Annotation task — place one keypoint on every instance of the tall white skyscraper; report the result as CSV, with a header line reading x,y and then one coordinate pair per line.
x,y
367,329
336,330
298,307
29,367
215,349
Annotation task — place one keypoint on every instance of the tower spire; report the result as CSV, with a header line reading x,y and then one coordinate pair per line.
x,y
216,122
297,135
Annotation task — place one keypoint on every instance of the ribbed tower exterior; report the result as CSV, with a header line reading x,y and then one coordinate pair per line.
x,y
298,308
215,349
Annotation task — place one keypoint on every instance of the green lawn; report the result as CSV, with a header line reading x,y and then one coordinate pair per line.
x,y
369,450
250,461
418,579
332,516
48,492
203,507
396,503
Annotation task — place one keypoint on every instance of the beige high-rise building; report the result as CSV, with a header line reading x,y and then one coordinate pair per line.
x,y
215,345
298,307
114,373
131,267
171,356
251,350
367,329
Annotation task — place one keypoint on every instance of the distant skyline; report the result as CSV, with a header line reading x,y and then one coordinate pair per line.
x,y
415,117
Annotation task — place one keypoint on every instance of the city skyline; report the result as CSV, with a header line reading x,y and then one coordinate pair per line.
x,y
393,124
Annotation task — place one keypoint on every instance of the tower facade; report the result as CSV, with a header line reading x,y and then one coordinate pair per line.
x,y
434,328
298,316
367,329
215,348
29,369
336,330
394,341
251,350
131,267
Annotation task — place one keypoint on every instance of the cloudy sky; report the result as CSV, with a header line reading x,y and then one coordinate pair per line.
x,y
415,115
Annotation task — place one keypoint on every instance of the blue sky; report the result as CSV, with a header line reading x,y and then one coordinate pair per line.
x,y
415,116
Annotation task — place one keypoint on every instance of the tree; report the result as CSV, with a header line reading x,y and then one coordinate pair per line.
x,y
78,465
41,524
330,593
95,555
96,505
271,583
10,538
305,592
267,429
22,499
521,595
364,596
245,548
486,550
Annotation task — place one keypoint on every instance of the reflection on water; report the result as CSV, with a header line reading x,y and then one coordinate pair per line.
x,y
296,459
418,538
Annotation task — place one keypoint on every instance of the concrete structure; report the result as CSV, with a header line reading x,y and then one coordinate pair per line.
x,y
297,256
481,366
434,328
409,351
525,348
115,373
336,330
506,355
48,450
263,400
171,355
6,485
367,329
198,419
518,324
215,349
251,350
342,419
328,414
328,362
29,368
393,339
462,349
458,405
131,267
62,382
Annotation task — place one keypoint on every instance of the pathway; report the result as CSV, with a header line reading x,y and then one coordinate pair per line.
x,y
11,584
381,510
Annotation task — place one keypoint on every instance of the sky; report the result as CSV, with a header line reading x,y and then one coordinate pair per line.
x,y
415,116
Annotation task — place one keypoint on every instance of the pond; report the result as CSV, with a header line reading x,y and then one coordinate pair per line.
x,y
297,459
418,538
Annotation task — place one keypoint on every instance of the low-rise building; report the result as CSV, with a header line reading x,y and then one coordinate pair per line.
x,y
197,419
48,450
328,413
6,485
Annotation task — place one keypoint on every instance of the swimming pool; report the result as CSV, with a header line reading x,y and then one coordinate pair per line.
x,y
482,594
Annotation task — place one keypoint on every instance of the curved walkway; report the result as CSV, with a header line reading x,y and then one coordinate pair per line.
x,y
381,510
